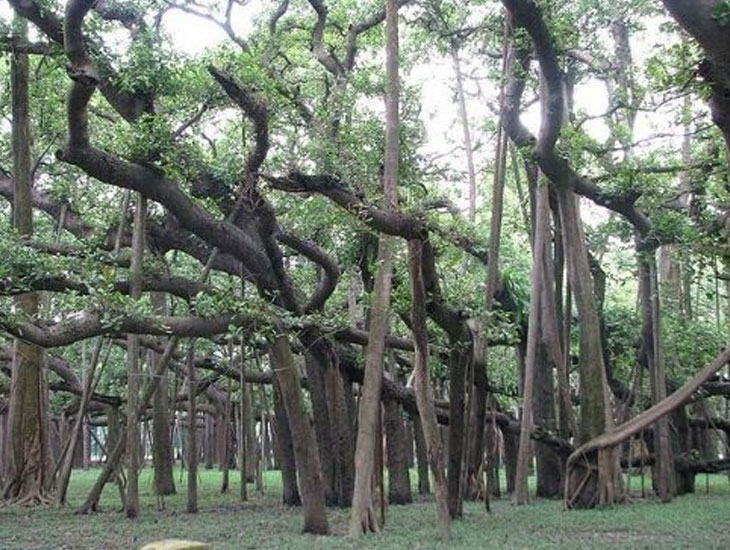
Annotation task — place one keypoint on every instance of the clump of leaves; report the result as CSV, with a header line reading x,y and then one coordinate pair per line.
x,y
721,13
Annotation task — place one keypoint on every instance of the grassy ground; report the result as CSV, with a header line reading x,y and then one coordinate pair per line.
x,y
700,521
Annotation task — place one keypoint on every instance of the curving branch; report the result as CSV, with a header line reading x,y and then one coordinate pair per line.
x,y
224,24
256,110
69,382
362,27
227,237
177,286
82,71
330,269
628,429
123,13
129,106
60,212
340,68
527,15
327,58
13,44
277,15
386,221
87,324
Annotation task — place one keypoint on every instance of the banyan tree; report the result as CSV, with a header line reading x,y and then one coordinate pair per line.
x,y
266,252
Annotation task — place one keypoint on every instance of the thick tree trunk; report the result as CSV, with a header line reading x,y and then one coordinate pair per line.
x,y
115,437
682,446
551,359
134,372
461,353
322,426
285,453
663,470
408,443
511,449
595,481
492,465
332,417
220,438
664,458
252,454
344,442
423,387
399,480
362,516
478,427
305,444
548,468
27,464
561,297
162,452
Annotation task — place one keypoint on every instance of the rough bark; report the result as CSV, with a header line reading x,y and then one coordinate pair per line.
x,y
651,415
322,426
162,452
285,453
193,454
424,483
601,486
362,514
208,441
653,357
524,455
399,481
423,387
242,443
511,449
27,465
459,359
550,360
305,445
548,468
252,455
682,446
134,371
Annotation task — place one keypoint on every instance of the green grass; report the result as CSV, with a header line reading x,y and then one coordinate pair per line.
x,y
700,521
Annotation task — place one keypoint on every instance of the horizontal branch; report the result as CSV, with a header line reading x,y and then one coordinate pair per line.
x,y
88,324
177,286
